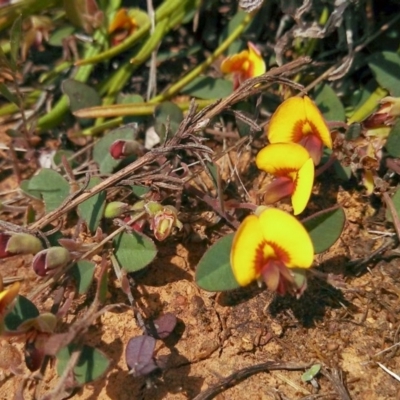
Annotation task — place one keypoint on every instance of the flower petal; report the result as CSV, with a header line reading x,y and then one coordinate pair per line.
x,y
303,187
7,297
315,117
286,233
245,248
297,117
234,63
122,20
246,64
280,159
257,64
278,189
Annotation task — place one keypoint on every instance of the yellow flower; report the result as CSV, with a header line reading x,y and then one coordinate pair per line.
x,y
7,297
244,65
121,26
268,246
294,171
299,120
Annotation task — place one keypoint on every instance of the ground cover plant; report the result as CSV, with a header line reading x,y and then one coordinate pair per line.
x,y
199,199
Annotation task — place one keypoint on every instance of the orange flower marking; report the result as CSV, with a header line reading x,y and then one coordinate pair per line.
x,y
293,168
121,26
244,65
268,246
299,120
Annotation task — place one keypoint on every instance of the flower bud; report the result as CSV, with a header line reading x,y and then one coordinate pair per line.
x,y
163,222
123,148
18,243
51,258
388,111
115,208
45,323
153,207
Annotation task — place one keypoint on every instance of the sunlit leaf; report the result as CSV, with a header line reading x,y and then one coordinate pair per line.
x,y
139,355
206,87
311,373
53,188
329,103
134,251
393,140
385,66
23,310
92,209
91,365
214,272
325,228
82,272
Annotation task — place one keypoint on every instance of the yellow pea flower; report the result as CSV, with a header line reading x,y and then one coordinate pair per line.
x,y
294,170
244,65
122,26
7,297
299,120
267,246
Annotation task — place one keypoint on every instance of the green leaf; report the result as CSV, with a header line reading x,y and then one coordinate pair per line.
x,y
329,104
57,37
24,188
168,117
80,95
325,228
342,172
214,173
23,310
15,41
91,365
129,99
206,87
239,44
396,203
134,251
83,272
11,97
214,272
311,373
53,188
247,109
139,190
385,67
393,141
67,153
101,150
92,209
